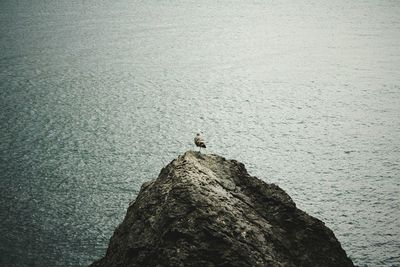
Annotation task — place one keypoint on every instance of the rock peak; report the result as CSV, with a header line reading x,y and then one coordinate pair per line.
x,y
205,210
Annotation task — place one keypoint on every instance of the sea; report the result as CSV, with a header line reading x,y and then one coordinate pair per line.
x,y
97,96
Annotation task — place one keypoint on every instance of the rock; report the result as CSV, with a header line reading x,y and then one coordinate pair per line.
x,y
204,210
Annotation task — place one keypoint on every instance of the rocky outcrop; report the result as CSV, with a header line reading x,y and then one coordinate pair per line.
x,y
204,210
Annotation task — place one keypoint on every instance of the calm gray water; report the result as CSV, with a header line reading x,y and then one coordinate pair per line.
x,y
97,96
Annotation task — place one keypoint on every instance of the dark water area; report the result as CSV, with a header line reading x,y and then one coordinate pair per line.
x,y
96,97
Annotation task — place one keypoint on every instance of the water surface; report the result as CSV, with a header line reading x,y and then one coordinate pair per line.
x,y
97,96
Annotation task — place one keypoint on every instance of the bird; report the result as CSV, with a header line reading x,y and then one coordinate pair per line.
x,y
199,141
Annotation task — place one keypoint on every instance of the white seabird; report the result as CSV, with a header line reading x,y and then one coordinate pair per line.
x,y
199,141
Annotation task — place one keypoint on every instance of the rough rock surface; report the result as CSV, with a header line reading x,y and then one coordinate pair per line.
x,y
204,210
